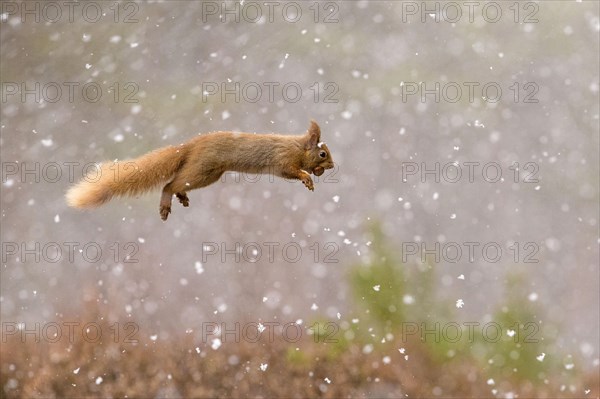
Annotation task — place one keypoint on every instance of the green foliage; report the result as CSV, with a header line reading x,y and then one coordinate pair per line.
x,y
525,351
379,285
509,347
330,335
296,357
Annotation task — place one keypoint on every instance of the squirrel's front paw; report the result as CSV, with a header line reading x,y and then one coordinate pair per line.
x,y
306,179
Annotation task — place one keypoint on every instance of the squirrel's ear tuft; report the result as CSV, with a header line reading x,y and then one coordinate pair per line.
x,y
314,135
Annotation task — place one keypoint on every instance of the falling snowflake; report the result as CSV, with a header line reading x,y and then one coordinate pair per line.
x,y
569,366
533,296
199,268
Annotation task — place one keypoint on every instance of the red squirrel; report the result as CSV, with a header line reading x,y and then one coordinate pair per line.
x,y
200,162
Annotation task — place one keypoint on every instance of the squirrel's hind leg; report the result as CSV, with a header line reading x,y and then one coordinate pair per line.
x,y
182,183
165,202
183,198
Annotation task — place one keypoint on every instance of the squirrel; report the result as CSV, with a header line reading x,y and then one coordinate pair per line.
x,y
200,162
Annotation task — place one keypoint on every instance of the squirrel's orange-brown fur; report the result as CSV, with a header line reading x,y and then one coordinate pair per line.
x,y
200,162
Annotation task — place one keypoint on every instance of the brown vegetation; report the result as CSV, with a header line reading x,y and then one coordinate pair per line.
x,y
175,369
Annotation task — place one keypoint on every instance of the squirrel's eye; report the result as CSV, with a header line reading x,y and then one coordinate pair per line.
x,y
322,154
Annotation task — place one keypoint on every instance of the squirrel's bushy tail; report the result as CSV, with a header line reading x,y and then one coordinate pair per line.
x,y
126,178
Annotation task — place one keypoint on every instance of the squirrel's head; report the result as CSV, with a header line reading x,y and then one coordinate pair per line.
x,y
318,158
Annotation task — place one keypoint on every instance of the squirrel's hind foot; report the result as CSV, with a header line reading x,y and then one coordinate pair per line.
x,y
183,198
164,212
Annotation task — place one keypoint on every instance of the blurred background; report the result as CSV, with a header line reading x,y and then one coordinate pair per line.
x,y
116,80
